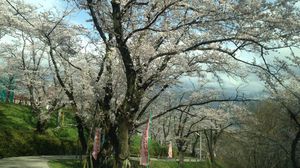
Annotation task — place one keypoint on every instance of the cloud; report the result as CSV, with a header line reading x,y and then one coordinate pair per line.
x,y
45,5
78,17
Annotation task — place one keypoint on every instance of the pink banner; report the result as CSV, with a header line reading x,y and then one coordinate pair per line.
x,y
96,145
144,146
170,153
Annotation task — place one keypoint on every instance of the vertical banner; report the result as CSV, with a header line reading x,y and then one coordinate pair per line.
x,y
96,145
170,152
144,160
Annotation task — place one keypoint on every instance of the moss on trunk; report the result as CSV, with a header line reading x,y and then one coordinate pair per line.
x,y
122,147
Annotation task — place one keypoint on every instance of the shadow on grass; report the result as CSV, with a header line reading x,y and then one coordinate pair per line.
x,y
64,164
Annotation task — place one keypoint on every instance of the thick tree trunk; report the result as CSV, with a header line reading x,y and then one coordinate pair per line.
x,y
211,146
295,160
96,163
181,159
212,160
7,95
41,126
103,160
122,145
9,89
80,130
106,150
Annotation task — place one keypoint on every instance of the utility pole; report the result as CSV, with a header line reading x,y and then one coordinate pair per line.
x,y
200,145
200,152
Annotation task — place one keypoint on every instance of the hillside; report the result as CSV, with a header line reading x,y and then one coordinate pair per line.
x,y
18,136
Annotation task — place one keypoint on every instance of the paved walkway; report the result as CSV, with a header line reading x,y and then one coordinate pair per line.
x,y
30,161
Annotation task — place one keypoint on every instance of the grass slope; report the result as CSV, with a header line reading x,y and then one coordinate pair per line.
x,y
18,137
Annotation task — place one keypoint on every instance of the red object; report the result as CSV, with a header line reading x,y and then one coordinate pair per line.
x,y
96,145
144,146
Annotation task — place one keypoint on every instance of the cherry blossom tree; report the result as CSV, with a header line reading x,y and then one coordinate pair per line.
x,y
148,47
29,62
178,38
283,88
224,118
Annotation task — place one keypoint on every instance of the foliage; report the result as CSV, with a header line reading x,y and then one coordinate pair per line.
x,y
263,140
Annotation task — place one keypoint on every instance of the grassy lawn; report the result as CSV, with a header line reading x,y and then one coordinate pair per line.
x,y
173,164
64,164
135,164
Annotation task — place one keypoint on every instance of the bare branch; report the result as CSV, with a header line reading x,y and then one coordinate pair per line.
x,y
152,21
235,99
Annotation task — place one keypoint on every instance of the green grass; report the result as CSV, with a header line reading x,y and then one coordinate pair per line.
x,y
172,164
64,164
15,117
135,164
18,136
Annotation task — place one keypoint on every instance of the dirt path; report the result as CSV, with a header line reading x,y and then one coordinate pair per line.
x,y
30,161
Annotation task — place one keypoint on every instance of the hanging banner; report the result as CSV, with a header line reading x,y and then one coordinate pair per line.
x,y
144,160
170,152
96,145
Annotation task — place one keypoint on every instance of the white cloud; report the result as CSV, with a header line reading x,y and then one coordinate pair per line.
x,y
78,17
298,4
45,5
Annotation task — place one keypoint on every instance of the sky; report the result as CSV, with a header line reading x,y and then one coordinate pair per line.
x,y
77,17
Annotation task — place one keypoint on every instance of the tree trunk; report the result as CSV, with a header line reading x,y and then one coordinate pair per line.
x,y
210,145
181,159
41,126
212,159
96,163
80,130
194,145
295,160
106,150
103,160
7,95
9,89
122,145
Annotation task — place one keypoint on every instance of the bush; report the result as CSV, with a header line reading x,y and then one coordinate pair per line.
x,y
46,145
15,144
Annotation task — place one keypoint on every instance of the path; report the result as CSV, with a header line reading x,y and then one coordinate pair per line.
x,y
41,161
30,161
